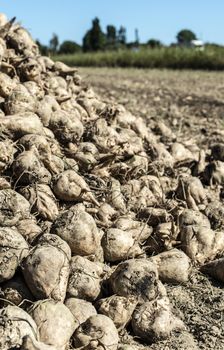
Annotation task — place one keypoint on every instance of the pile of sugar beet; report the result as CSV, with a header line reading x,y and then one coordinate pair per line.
x,y
97,211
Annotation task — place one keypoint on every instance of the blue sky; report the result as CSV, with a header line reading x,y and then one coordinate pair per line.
x,y
160,19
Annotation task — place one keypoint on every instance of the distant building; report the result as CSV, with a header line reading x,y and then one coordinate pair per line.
x,y
195,44
198,44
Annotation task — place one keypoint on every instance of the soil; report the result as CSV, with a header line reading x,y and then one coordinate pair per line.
x,y
192,104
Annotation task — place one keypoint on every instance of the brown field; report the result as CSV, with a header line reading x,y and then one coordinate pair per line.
x,y
192,104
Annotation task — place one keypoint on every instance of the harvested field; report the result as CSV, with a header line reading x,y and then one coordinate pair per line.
x,y
192,104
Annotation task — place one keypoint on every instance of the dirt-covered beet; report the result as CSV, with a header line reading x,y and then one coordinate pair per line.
x,y
154,320
97,331
46,268
79,230
50,315
15,325
13,250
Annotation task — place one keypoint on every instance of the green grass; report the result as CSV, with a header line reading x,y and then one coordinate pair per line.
x,y
176,58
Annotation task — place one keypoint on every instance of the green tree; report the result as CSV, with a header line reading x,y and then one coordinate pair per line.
x,y
94,39
44,50
185,36
153,43
53,43
122,37
69,47
111,36
136,37
86,42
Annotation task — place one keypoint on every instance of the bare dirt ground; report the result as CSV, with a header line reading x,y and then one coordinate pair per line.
x,y
192,104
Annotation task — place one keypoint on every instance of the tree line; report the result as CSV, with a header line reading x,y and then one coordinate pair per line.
x,y
113,39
